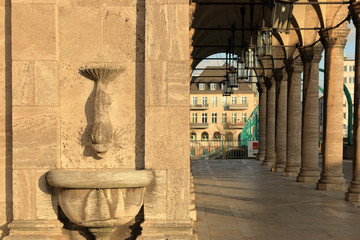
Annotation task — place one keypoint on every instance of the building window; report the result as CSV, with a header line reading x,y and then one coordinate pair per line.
x,y
204,136
204,101
214,101
223,101
243,117
194,101
350,69
194,118
201,86
214,117
223,117
344,115
204,117
233,100
345,68
192,136
233,117
345,79
243,100
212,86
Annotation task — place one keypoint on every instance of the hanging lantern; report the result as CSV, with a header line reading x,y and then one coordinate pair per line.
x,y
242,71
231,77
250,57
227,91
282,13
264,42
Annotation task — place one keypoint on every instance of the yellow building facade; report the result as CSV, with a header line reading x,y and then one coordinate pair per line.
x,y
214,116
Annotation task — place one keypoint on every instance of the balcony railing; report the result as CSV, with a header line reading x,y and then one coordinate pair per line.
x,y
242,106
199,107
236,125
199,125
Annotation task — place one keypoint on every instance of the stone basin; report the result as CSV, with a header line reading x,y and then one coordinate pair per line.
x,y
100,199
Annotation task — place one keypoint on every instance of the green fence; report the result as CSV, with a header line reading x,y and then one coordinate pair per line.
x,y
218,149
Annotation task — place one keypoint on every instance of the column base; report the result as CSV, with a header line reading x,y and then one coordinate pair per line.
x,y
331,183
260,157
290,173
352,197
159,230
268,162
35,230
278,168
311,176
331,186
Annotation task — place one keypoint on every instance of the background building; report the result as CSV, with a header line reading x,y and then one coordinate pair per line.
x,y
214,116
349,79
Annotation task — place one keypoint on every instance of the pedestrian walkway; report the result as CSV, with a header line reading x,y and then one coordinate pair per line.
x,y
241,199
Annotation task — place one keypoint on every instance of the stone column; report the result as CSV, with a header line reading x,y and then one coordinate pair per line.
x,y
166,202
332,177
353,193
281,105
262,120
293,141
309,171
270,121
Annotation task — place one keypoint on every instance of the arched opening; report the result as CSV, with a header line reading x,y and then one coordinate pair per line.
x,y
229,136
192,136
216,136
204,136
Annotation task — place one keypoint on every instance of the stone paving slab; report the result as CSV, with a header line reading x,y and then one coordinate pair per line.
x,y
241,199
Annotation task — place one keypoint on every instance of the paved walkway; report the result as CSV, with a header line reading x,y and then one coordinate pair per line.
x,y
240,199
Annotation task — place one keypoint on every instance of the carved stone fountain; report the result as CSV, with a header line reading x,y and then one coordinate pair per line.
x,y
97,198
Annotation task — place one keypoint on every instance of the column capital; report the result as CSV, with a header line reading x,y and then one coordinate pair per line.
x,y
294,66
311,54
279,74
268,81
354,9
334,37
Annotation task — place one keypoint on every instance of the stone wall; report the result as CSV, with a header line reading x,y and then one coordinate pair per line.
x,y
49,106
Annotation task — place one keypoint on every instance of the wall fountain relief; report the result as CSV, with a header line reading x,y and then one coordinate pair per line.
x,y
100,199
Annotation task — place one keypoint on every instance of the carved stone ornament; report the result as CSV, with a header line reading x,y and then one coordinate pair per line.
x,y
101,130
334,37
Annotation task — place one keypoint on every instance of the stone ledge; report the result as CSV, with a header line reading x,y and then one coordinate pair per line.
x,y
36,229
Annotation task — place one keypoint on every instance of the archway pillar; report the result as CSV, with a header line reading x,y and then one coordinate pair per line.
x,y
262,119
294,69
270,121
309,171
280,76
332,177
353,193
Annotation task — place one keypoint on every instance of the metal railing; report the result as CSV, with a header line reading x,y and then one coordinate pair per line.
x,y
218,149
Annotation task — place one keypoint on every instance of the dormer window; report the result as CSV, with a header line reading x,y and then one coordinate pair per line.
x,y
201,86
212,86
